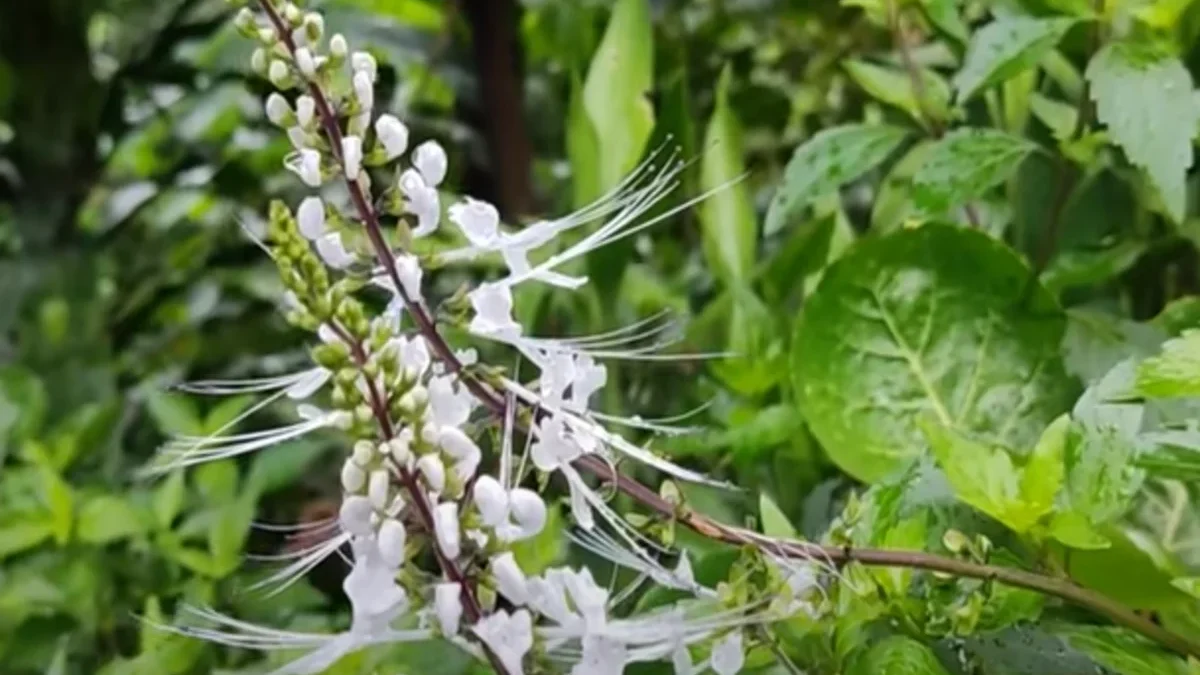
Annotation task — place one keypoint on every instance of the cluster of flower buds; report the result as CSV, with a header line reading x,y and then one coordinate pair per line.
x,y
413,479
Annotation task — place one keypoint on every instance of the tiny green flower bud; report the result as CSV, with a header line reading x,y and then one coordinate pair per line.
x,y
331,356
363,413
291,13
279,75
245,23
314,26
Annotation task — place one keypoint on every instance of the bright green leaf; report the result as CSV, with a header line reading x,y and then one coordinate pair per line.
x,y
966,164
730,225
108,518
536,554
175,414
1189,585
23,534
897,655
60,500
894,86
1175,372
774,521
1145,99
228,533
1005,48
826,161
935,320
217,482
1075,530
583,150
168,498
1042,475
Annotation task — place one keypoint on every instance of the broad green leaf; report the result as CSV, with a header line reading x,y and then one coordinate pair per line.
x,y
583,150
1042,475
729,223
773,520
107,518
616,90
225,412
1179,315
1084,268
1075,530
897,655
1059,117
1004,48
1145,99
894,86
934,320
1175,372
1122,650
23,534
826,161
965,165
1129,570
168,498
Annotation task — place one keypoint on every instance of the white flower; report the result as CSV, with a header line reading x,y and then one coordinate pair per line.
x,y
478,220
493,305
364,62
423,202
681,660
378,487
392,538
601,656
338,46
331,250
509,636
305,63
279,74
354,516
375,597
278,110
449,405
588,378
306,109
590,599
491,500
434,471
298,137
447,607
462,449
399,449
510,581
554,447
310,217
430,160
306,164
364,90
728,657
352,156
353,477
414,355
392,134
408,268
528,510
445,525
363,452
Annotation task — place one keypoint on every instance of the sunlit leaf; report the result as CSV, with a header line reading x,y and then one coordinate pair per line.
x,y
965,165
1004,48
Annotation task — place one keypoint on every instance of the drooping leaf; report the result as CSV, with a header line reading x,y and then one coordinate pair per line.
x,y
1175,372
898,655
1004,48
965,165
730,225
926,320
616,89
826,161
1144,97
894,86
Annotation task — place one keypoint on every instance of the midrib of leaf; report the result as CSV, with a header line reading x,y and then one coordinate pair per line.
x,y
914,361
980,359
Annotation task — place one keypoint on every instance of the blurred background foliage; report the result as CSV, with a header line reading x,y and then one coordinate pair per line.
x,y
134,149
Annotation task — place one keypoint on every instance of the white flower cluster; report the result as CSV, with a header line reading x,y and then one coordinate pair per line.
x,y
405,398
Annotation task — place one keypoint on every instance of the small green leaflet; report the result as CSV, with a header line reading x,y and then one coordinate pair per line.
x,y
964,165
1145,99
826,161
775,522
894,86
1175,372
1005,48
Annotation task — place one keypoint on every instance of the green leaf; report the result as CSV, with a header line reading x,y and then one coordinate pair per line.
x,y
23,535
1042,475
22,405
1145,99
1189,585
175,414
615,92
927,320
1122,650
547,548
894,86
729,223
773,520
282,466
1005,48
107,518
168,499
945,15
826,161
893,205
964,165
217,482
1075,530
583,150
897,655
1175,372
1176,455
1129,570
228,533
58,497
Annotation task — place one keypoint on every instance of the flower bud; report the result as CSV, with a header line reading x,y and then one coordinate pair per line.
x,y
278,110
258,61
305,63
445,526
491,500
365,63
314,26
245,23
337,46
354,516
306,109
279,74
308,166
447,607
291,12
399,450
353,476
352,156
433,471
510,580
391,542
408,268
310,217
528,510
299,138
392,135
364,452
364,90
430,160
377,489
331,250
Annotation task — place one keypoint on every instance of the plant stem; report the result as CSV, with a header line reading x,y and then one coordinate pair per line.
x,y
699,523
